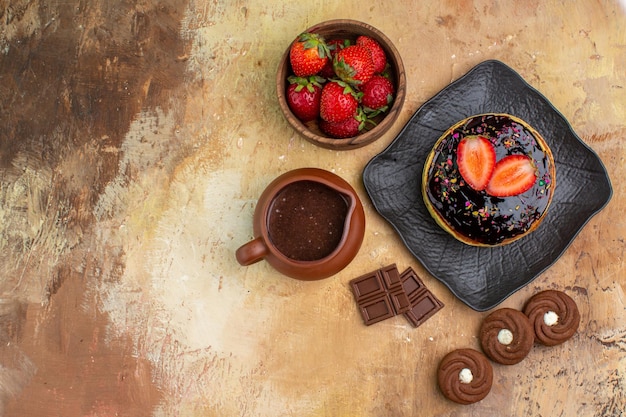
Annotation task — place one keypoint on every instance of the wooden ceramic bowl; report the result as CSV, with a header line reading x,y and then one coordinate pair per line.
x,y
346,29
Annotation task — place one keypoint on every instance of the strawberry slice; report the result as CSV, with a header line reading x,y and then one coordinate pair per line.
x,y
476,158
513,175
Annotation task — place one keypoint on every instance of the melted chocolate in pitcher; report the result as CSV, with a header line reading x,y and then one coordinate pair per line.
x,y
306,220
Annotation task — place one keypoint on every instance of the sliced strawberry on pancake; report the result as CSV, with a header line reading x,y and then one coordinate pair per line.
x,y
476,159
513,175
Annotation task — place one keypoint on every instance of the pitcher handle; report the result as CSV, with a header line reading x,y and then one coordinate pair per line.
x,y
252,252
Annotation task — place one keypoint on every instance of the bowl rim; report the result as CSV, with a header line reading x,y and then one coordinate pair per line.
x,y
384,125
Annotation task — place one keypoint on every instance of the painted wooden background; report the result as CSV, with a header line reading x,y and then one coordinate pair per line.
x,y
135,138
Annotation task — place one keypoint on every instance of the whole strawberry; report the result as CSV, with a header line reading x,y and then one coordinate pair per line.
x,y
379,57
334,45
352,126
308,54
303,97
341,130
338,101
377,94
354,64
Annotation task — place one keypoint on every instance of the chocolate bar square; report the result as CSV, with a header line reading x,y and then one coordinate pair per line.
x,y
400,301
377,309
391,276
412,284
367,286
422,308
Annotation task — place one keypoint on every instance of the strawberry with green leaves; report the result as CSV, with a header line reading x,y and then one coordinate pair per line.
x,y
379,58
377,95
338,102
334,46
304,95
354,64
352,126
308,54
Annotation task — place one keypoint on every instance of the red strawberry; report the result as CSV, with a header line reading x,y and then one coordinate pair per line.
x,y
513,175
378,53
340,130
334,45
338,102
348,128
377,93
303,97
476,159
354,64
308,54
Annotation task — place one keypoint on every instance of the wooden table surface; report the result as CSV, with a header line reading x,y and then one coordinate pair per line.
x,y
135,141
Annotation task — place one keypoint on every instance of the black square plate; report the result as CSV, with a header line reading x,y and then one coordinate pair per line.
x,y
483,277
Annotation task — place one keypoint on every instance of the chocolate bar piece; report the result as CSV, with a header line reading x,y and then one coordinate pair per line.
x,y
367,286
385,293
401,303
424,304
411,283
377,309
422,308
391,276
380,294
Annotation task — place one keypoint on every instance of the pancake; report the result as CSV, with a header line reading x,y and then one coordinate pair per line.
x,y
476,217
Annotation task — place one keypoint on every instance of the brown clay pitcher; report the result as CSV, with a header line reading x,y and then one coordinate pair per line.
x,y
308,224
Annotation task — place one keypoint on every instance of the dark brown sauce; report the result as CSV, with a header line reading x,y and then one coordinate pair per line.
x,y
306,220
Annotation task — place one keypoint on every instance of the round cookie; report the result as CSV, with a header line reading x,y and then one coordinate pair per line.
x,y
506,336
474,215
465,376
554,316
